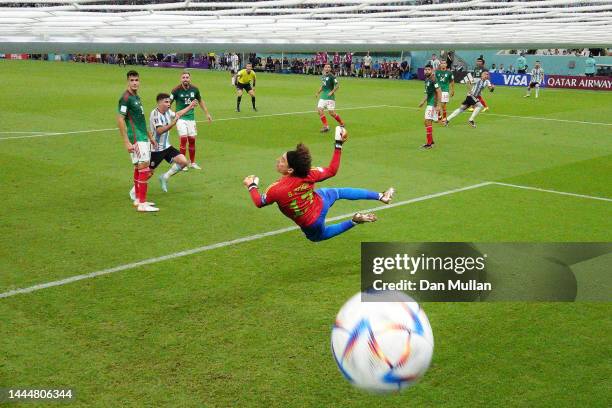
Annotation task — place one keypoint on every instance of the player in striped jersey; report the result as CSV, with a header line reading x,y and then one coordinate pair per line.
x,y
478,69
537,77
472,98
161,120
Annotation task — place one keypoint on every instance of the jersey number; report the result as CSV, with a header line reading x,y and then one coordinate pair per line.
x,y
307,196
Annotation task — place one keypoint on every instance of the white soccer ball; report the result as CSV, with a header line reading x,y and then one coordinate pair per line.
x,y
382,346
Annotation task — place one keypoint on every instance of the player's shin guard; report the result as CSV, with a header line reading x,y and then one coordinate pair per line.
x,y
429,132
175,168
338,119
455,113
136,182
481,99
143,177
324,120
476,112
192,148
183,144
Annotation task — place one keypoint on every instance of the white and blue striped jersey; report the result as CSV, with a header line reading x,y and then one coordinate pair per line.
x,y
157,119
478,86
537,75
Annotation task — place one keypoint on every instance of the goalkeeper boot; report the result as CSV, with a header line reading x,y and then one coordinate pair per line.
x,y
361,218
387,195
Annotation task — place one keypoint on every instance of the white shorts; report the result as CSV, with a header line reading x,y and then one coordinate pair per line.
x,y
330,104
445,97
186,127
430,113
141,153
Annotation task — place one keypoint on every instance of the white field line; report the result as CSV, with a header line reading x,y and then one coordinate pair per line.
x,y
522,117
20,132
552,191
205,248
43,134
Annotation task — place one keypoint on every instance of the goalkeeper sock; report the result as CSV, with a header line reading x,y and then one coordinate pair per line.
x,y
238,99
253,101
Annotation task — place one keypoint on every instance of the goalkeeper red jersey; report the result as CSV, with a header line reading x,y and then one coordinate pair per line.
x,y
295,196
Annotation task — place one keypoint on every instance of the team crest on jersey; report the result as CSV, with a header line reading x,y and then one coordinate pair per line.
x,y
302,187
192,95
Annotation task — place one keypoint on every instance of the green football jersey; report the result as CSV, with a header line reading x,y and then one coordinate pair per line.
x,y
444,79
328,82
133,113
478,71
183,98
430,90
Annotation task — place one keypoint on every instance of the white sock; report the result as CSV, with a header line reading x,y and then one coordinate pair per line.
x,y
455,113
175,168
476,112
133,191
537,91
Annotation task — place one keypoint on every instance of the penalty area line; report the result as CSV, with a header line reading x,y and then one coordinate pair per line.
x,y
43,134
217,245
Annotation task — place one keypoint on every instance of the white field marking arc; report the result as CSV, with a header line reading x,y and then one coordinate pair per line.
x,y
43,134
276,232
219,245
521,117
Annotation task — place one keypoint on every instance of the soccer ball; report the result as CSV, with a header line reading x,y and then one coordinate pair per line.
x,y
382,346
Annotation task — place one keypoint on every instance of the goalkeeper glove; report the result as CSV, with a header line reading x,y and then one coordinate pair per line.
x,y
338,138
254,184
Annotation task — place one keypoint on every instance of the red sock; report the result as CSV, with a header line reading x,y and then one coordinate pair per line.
x,y
429,131
183,146
192,149
143,176
324,120
484,104
337,117
136,182
444,111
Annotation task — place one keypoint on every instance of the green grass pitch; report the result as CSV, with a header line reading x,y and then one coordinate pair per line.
x,y
248,324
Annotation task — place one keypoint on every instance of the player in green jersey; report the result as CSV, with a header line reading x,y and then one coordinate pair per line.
x,y
183,94
327,97
446,80
137,139
432,111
